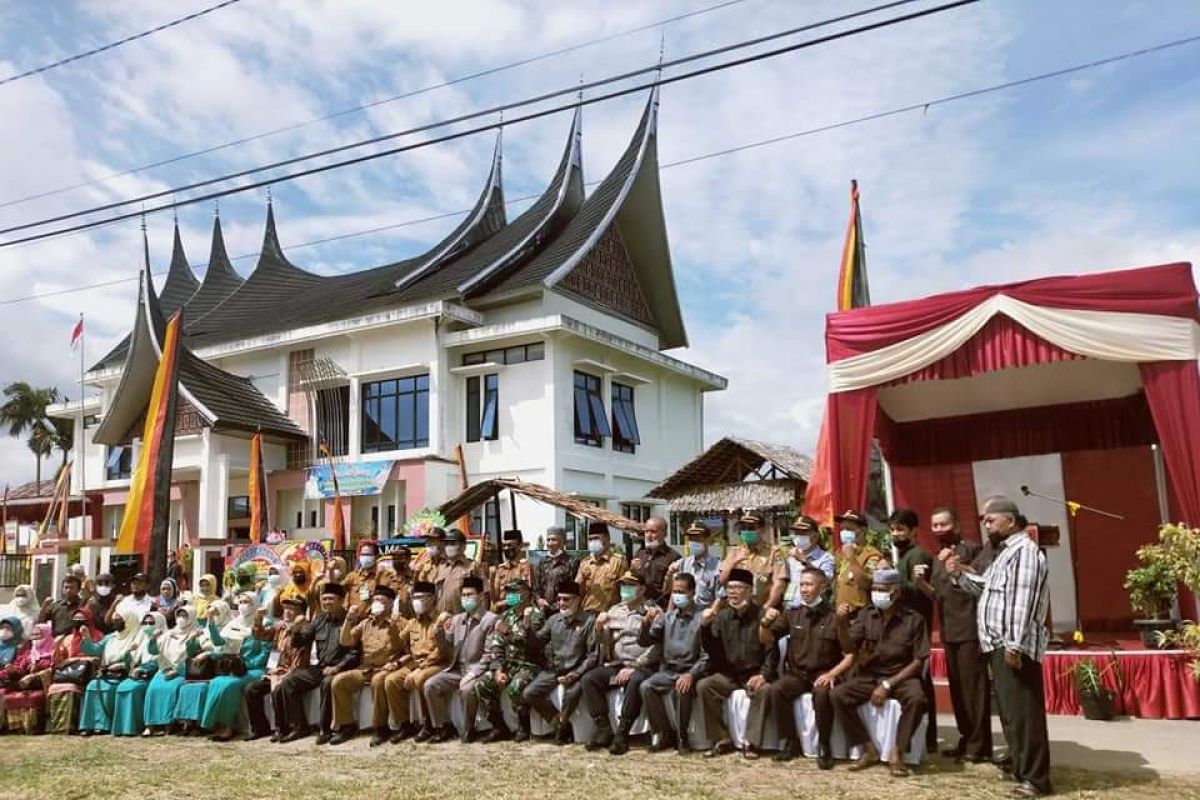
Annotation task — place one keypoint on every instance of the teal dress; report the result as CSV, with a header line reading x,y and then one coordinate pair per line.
x,y
100,697
224,701
130,700
162,695
192,694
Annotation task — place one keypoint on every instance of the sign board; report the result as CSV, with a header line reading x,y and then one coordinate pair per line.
x,y
354,480
265,556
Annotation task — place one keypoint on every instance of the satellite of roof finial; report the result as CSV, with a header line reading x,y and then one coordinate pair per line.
x,y
268,196
217,208
662,49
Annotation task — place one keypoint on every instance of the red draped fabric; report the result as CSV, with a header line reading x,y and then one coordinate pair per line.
x,y
925,488
1150,684
1173,392
851,420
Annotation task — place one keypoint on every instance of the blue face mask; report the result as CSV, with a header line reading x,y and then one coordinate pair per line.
x,y
595,546
469,604
680,600
628,593
366,562
698,548
513,599
848,537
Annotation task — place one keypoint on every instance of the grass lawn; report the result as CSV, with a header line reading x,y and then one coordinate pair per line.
x,y
66,768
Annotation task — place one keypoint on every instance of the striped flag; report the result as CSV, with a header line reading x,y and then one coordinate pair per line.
x,y
77,333
147,509
852,292
260,518
338,528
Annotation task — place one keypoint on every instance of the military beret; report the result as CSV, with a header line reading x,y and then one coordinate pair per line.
x,y
424,587
696,529
750,519
472,582
850,516
385,591
455,535
803,523
295,602
334,588
629,576
435,533
739,575
513,536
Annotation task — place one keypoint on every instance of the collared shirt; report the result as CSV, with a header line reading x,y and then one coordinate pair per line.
x,y
450,578
419,636
732,643
887,644
849,590
956,605
360,585
910,594
706,570
327,644
678,632
465,642
814,559
507,571
376,636
652,565
766,568
813,646
513,645
1013,598
140,608
59,614
572,642
623,626
597,579
551,571
426,565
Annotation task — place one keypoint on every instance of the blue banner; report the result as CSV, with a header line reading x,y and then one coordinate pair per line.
x,y
354,480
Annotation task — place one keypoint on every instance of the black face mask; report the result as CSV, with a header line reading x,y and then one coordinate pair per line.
x,y
118,625
994,539
80,624
902,544
300,580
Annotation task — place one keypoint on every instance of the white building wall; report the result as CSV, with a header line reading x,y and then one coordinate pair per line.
x,y
555,303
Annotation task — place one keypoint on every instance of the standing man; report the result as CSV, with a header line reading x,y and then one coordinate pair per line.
x,y
61,612
1013,600
429,562
139,602
626,662
378,642
558,566
452,572
513,566
102,600
756,556
737,658
599,571
653,561
462,640
701,564
569,638
684,662
174,568
814,663
328,659
513,659
367,576
856,564
805,553
891,645
403,579
915,566
970,686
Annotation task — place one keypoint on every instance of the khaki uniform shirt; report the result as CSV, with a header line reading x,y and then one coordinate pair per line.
x,y
847,589
419,637
358,580
597,579
424,567
378,637
766,568
504,572
449,582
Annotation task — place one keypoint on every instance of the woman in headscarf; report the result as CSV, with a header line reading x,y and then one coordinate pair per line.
x,y
131,693
206,592
24,606
269,594
23,705
200,649
300,587
236,638
167,600
12,647
171,653
116,652
63,698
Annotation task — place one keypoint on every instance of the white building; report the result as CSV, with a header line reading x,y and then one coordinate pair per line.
x,y
536,343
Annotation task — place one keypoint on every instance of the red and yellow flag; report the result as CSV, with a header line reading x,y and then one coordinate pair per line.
x,y
144,526
852,292
259,512
338,528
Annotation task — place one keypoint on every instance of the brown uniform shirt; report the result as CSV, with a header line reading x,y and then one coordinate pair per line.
x,y
418,637
813,646
403,583
846,588
887,645
652,566
766,568
378,637
358,580
425,567
505,571
597,579
451,574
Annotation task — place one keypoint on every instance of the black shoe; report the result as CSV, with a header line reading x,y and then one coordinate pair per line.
x,y
380,736
324,737
975,759
684,749
665,741
1026,789
298,734
276,738
721,748
824,759
406,731
425,734
522,734
446,733
619,746
522,725
253,736
789,752
564,733
498,733
956,751
603,736
342,736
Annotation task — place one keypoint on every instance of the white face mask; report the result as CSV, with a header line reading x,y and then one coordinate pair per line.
x,y
802,542
420,605
6,635
378,608
452,550
245,610
104,591
595,546
21,600
274,581
182,620
882,600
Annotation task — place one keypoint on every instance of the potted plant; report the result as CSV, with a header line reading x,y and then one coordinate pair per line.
x,y
1094,697
1151,587
1187,639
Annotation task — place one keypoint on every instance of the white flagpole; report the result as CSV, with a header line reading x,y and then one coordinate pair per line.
x,y
79,439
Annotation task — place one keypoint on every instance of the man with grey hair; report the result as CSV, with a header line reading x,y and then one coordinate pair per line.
x,y
557,566
654,560
1013,600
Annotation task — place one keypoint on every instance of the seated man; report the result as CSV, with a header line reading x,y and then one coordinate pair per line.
x,y
626,663
291,647
570,641
513,658
462,639
329,658
378,641
683,663
419,660
737,656
891,645
814,663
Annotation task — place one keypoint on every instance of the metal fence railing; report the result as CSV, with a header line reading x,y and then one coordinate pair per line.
x,y
14,569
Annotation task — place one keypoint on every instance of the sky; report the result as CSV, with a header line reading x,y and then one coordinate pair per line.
x,y
1081,173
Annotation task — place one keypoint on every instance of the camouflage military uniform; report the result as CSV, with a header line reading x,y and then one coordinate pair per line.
x,y
512,649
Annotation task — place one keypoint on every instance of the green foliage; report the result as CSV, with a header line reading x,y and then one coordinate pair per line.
x,y
24,411
1186,638
1174,558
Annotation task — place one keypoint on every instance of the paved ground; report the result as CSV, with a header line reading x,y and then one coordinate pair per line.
x,y
1127,745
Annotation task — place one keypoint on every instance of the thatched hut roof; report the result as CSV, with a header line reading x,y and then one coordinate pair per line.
x,y
478,494
729,463
729,497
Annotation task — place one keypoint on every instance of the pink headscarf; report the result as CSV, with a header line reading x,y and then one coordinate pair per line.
x,y
43,649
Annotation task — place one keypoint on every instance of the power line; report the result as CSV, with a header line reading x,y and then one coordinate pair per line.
x,y
693,159
371,104
472,131
118,43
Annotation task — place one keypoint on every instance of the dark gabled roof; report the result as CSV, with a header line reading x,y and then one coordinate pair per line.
x,y
229,400
180,284
220,279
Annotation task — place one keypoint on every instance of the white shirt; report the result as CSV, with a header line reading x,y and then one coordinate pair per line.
x,y
130,603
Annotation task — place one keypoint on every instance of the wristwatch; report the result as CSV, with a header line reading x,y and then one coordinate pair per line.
x,y
886,684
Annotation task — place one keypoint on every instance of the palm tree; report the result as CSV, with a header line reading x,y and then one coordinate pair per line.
x,y
24,409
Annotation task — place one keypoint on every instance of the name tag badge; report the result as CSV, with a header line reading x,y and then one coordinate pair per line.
x,y
273,659
364,594
313,660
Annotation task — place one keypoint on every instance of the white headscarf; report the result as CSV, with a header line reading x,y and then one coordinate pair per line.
x,y
142,654
28,614
222,609
239,628
172,648
120,644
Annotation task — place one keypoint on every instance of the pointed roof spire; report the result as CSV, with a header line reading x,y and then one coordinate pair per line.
x,y
181,282
270,245
220,279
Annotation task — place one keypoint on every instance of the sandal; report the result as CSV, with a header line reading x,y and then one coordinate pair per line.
x,y
899,770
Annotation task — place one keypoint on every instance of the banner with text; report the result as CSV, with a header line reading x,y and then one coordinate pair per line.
x,y
362,479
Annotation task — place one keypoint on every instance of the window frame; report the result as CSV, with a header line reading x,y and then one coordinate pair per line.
x,y
483,407
124,465
591,419
626,436
513,354
391,395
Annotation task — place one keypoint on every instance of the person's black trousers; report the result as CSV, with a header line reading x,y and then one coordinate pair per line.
x,y
295,685
971,696
255,698
596,683
1022,698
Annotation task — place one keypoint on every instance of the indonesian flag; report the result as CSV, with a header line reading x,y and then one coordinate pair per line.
x,y
77,333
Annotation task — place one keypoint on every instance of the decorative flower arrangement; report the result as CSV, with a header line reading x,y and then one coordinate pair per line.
x,y
423,521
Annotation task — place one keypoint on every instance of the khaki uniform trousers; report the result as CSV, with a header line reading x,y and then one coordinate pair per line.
x,y
346,686
398,696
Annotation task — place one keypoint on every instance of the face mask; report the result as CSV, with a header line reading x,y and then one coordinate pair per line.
x,y
274,580
803,542
21,601
902,544
366,562
470,604
300,579
816,601
513,599
80,624
245,610
848,537
378,607
420,606
452,550
698,548
5,635
595,546
182,619
628,594
104,591
749,538
680,600
148,630
882,600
